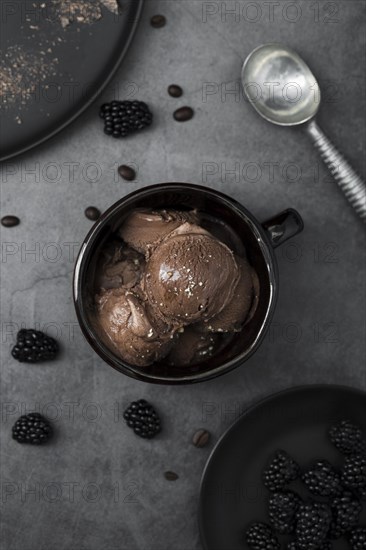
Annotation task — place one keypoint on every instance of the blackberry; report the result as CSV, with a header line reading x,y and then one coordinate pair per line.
x,y
357,538
347,437
33,346
32,428
353,473
124,117
260,536
282,508
143,419
345,511
323,480
313,521
281,470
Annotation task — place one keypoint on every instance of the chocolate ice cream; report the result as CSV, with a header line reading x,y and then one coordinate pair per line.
x,y
143,229
245,297
169,288
125,321
119,266
192,346
190,276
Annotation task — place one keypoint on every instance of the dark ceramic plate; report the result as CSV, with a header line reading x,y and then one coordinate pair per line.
x,y
87,54
296,420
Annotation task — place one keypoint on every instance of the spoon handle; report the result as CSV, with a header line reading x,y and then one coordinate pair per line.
x,y
348,180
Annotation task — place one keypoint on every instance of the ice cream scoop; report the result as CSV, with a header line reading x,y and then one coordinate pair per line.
x,y
125,322
283,90
144,228
119,265
190,276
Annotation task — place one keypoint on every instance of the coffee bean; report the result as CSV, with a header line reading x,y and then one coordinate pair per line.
x,y
158,21
183,114
174,90
126,172
201,438
10,221
171,476
92,213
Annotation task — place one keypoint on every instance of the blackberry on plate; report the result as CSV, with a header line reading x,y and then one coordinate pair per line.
x,y
346,512
347,437
353,473
323,480
357,538
32,428
33,346
142,418
281,470
124,117
313,521
260,536
282,508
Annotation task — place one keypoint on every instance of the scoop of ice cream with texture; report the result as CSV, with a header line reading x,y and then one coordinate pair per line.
x,y
124,320
190,276
119,266
143,228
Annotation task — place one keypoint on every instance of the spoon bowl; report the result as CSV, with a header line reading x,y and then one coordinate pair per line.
x,y
280,85
284,91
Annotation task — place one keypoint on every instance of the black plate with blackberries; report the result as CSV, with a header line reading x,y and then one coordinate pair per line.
x,y
56,58
289,474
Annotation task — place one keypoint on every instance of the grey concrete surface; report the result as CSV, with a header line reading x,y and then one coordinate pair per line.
x,y
97,486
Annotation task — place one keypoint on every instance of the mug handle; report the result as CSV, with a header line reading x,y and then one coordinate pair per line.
x,y
283,226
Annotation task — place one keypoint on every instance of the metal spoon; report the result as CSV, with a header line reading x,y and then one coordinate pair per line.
x,y
284,91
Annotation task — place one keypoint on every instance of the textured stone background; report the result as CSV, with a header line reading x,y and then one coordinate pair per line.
x,y
97,486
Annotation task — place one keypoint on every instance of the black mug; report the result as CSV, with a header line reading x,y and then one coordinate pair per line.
x,y
259,239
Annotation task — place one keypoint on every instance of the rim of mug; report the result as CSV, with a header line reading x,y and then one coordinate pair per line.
x,y
91,238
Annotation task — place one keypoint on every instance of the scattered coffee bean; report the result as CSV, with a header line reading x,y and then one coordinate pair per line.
x,y
171,476
126,172
174,90
158,21
92,213
183,114
10,221
201,438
